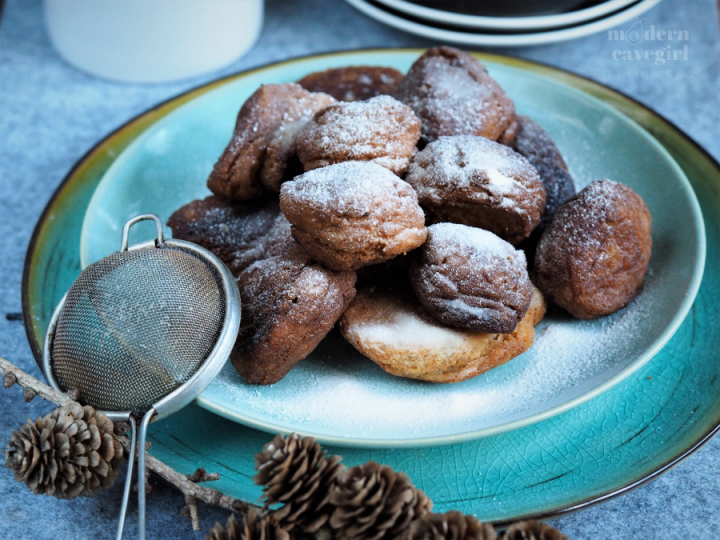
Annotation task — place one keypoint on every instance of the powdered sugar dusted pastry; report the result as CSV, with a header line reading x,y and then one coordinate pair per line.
x,y
469,278
593,257
239,233
535,144
353,214
353,83
452,93
474,181
389,326
264,140
289,305
381,130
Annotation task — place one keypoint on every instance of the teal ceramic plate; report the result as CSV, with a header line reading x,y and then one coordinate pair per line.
x,y
633,432
571,361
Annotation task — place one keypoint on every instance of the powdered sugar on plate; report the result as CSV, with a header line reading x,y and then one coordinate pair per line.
x,y
338,393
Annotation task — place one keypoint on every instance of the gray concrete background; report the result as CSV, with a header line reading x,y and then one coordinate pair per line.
x,y
51,114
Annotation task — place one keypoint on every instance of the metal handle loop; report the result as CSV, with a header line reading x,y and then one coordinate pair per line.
x,y
144,217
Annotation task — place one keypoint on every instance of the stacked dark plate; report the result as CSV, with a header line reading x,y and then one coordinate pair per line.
x,y
509,23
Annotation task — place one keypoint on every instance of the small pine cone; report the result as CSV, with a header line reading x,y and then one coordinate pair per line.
x,y
373,501
294,471
251,527
450,526
68,453
533,530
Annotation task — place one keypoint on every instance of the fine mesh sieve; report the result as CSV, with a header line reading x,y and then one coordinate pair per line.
x,y
142,332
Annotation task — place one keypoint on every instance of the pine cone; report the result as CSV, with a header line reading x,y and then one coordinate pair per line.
x,y
251,527
373,501
450,526
68,453
533,530
295,471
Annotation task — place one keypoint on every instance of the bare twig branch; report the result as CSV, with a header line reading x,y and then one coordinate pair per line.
x,y
201,475
187,484
7,369
189,488
192,511
148,487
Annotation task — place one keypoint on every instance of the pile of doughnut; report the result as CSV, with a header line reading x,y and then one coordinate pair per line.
x,y
417,213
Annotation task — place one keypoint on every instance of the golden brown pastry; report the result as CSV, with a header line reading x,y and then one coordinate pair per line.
x,y
470,278
353,83
389,326
452,93
264,141
477,182
289,304
381,130
353,214
593,257
239,233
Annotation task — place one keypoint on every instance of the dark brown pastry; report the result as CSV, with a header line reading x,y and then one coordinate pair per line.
x,y
264,140
239,233
593,257
474,181
381,130
387,324
353,83
353,214
452,93
289,304
535,144
470,278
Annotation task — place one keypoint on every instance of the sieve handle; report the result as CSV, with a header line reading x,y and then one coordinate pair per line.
x,y
144,217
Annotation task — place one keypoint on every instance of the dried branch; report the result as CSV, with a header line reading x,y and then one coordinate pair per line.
x,y
191,512
189,488
13,375
201,475
187,484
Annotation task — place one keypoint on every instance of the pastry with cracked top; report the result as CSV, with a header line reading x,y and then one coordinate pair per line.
x,y
387,324
238,232
470,278
260,153
474,181
289,305
380,130
353,83
593,258
535,144
353,214
452,93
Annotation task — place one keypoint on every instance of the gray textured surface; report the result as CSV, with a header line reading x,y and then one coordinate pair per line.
x,y
51,114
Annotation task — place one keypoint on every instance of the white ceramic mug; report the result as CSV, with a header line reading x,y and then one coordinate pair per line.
x,y
152,40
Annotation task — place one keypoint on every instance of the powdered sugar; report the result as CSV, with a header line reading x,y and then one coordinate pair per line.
x,y
407,330
338,393
465,160
448,238
349,187
380,129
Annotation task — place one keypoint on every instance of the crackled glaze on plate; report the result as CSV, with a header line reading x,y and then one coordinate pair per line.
x,y
624,437
571,361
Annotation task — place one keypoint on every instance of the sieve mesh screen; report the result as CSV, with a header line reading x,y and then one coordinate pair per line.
x,y
137,325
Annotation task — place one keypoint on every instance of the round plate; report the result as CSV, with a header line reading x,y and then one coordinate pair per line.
x,y
451,34
479,22
571,361
607,446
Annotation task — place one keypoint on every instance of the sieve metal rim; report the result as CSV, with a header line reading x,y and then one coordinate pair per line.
x,y
216,359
